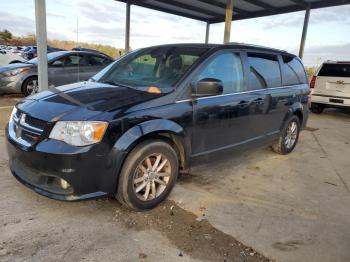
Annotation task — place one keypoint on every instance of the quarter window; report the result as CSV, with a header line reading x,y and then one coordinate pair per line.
x,y
264,71
228,68
293,71
97,60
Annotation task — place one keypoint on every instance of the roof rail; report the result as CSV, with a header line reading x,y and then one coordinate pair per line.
x,y
257,46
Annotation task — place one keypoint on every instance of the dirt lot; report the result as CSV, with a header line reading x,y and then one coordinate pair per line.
x,y
288,208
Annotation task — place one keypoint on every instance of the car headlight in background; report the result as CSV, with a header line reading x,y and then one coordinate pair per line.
x,y
15,71
79,133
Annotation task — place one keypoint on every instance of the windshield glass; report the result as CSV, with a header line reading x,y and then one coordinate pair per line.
x,y
50,57
160,67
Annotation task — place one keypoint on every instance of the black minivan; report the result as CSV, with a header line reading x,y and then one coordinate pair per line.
x,y
130,130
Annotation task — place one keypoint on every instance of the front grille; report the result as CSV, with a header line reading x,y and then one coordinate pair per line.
x,y
25,129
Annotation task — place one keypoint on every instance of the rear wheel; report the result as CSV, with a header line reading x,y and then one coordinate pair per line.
x,y
148,175
30,86
289,136
316,108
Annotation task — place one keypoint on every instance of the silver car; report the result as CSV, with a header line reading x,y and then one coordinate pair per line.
x,y
64,67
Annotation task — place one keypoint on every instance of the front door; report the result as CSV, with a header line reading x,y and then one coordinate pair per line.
x,y
65,70
223,121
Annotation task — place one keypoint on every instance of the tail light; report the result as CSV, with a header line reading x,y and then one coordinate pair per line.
x,y
312,82
312,86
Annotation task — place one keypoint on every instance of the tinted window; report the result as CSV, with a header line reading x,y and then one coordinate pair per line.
x,y
337,70
264,71
227,68
97,60
70,61
293,71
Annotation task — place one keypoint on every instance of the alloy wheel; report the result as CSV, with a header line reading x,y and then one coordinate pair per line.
x,y
291,135
151,177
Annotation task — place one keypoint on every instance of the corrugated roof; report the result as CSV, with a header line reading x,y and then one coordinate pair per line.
x,y
213,11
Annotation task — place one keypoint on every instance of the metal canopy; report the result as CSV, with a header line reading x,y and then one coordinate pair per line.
x,y
213,11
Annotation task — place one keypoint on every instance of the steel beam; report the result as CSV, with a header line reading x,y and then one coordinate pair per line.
x,y
304,34
207,29
228,20
127,27
41,42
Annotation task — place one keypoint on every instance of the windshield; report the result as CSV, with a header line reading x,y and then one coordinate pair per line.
x,y
50,57
160,67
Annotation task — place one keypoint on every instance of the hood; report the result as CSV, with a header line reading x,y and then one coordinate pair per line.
x,y
82,101
14,66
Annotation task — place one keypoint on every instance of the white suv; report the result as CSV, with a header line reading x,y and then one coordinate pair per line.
x,y
331,86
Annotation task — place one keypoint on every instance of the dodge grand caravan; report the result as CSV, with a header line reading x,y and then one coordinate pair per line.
x,y
134,126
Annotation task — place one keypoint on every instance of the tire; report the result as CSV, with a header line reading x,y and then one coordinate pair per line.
x,y
27,90
316,108
282,146
133,176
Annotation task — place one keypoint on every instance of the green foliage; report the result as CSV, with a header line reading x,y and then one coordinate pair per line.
x,y
5,36
311,71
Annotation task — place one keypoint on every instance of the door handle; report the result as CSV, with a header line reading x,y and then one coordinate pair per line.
x,y
243,103
259,101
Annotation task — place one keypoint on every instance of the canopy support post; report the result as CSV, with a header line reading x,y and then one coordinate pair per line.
x,y
41,42
304,34
228,20
127,27
207,29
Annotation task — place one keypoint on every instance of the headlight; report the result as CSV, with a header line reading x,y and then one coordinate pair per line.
x,y
15,71
79,133
14,111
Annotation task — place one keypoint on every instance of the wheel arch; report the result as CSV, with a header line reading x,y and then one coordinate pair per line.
x,y
162,129
297,110
25,79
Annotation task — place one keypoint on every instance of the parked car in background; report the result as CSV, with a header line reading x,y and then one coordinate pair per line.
x,y
64,67
331,86
150,114
30,52
88,50
10,58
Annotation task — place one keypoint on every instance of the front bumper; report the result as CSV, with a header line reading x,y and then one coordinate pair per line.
x,y
11,84
89,171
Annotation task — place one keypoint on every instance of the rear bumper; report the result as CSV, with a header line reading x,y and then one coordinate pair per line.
x,y
325,100
88,172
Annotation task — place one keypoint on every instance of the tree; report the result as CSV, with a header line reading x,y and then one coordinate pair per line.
x,y
5,35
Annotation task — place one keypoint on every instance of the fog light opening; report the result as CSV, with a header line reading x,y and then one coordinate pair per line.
x,y
64,184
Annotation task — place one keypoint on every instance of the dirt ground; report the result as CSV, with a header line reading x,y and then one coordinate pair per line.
x,y
287,208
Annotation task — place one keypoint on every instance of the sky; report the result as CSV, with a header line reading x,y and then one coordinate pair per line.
x,y
103,22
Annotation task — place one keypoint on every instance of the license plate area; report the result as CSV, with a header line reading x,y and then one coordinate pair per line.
x,y
337,101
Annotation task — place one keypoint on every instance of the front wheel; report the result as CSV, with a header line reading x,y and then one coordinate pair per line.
x,y
289,136
148,175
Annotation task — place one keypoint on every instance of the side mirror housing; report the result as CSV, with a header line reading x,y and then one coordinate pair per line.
x,y
207,87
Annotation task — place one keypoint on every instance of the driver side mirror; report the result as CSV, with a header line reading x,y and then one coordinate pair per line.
x,y
207,87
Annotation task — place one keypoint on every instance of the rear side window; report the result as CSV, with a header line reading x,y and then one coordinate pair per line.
x,y
228,68
264,71
97,60
335,70
293,71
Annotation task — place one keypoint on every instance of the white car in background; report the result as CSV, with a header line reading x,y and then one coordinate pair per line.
x,y
10,58
331,86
